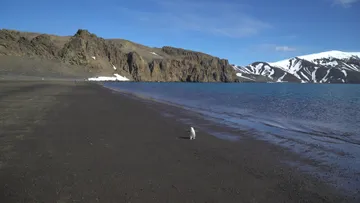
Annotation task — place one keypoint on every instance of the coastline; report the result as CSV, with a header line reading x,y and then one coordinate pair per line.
x,y
84,142
315,166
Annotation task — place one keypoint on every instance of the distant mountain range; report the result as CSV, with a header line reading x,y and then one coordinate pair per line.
x,y
85,55
324,67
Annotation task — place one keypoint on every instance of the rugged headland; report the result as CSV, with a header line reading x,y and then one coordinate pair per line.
x,y
86,55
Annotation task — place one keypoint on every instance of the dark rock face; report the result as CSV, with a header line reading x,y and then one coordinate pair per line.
x,y
13,43
100,56
193,66
43,46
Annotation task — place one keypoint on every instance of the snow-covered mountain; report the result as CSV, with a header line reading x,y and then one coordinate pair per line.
x,y
324,67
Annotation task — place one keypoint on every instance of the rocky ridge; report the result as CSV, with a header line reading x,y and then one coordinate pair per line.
x,y
86,54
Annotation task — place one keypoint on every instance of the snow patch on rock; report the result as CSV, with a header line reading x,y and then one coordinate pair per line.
x,y
241,76
345,73
116,77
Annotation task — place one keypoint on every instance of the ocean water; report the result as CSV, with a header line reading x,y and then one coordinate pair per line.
x,y
318,121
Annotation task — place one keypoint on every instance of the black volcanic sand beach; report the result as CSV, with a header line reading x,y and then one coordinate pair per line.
x,y
79,142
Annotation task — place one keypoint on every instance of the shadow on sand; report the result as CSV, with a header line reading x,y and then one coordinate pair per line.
x,y
184,138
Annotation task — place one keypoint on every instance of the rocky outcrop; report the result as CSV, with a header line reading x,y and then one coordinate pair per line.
x,y
43,46
193,66
14,43
99,56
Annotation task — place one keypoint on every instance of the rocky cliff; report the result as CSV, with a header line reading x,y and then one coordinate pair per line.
x,y
86,54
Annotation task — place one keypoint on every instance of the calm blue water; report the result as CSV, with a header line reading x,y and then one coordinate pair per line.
x,y
321,122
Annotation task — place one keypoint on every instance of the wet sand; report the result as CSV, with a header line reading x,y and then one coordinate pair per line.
x,y
79,142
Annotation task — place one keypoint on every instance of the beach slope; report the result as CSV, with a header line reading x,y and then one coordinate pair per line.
x,y
80,142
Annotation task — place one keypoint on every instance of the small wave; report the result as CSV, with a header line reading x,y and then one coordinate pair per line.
x,y
273,124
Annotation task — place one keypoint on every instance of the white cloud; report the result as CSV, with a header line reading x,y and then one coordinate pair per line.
x,y
284,48
275,47
217,18
345,3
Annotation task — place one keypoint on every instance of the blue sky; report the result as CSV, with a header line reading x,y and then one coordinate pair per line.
x,y
242,31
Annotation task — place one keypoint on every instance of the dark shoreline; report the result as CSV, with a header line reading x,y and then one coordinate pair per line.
x,y
67,141
317,168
